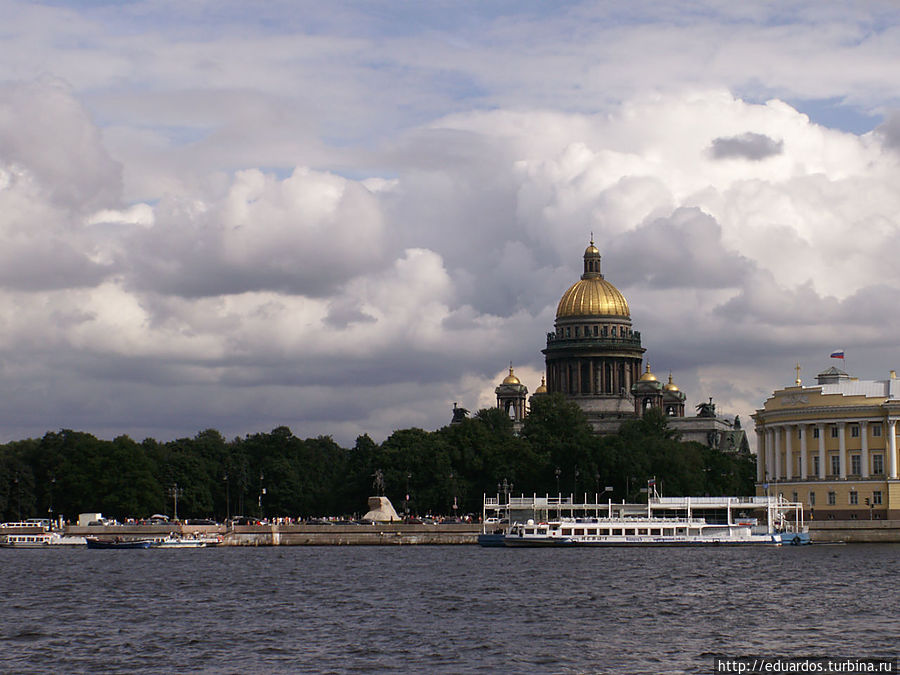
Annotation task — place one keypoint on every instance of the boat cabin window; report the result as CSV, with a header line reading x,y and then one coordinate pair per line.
x,y
567,531
578,531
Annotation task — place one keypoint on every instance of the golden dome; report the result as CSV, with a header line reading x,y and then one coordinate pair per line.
x,y
511,379
591,249
592,297
648,376
543,388
671,385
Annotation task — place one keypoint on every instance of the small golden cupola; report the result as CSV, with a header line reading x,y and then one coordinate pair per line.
x,y
670,386
511,395
511,378
673,399
542,389
648,376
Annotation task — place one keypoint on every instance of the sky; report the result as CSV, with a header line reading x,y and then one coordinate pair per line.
x,y
343,217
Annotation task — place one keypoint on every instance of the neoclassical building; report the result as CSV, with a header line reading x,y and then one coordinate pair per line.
x,y
832,446
594,357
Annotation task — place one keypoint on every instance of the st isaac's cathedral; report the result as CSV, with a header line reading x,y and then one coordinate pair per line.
x,y
594,357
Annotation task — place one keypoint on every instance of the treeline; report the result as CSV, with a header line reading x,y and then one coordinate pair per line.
x,y
277,474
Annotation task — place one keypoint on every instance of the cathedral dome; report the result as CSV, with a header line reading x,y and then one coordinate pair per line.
x,y
592,297
671,386
542,389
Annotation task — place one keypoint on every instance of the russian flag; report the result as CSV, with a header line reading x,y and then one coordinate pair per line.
x,y
838,354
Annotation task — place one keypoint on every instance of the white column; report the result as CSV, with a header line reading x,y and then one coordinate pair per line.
x,y
864,447
842,450
804,468
821,428
770,455
788,451
892,447
777,454
760,456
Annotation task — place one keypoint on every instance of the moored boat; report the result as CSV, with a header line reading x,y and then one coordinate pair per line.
x,y
186,542
673,521
39,540
117,543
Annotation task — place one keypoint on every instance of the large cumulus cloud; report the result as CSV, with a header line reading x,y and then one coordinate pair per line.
x,y
346,229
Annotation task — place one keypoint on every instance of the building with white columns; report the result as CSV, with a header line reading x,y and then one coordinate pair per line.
x,y
832,446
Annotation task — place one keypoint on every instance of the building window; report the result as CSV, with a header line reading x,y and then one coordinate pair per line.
x,y
876,497
855,463
835,465
816,465
877,464
854,498
568,332
576,331
834,431
832,499
816,432
812,498
596,331
876,429
854,430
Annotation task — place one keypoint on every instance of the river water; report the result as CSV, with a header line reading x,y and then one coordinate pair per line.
x,y
441,609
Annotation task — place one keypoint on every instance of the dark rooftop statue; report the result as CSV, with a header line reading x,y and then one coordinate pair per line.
x,y
706,409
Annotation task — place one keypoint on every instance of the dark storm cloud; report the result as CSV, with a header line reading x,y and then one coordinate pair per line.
x,y
46,131
49,265
889,130
752,146
684,250
341,314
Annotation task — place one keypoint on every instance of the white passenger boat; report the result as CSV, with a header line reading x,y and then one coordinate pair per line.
x,y
39,540
663,521
186,542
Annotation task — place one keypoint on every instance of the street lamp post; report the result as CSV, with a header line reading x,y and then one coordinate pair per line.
x,y
18,498
406,501
175,492
227,497
558,472
262,491
50,507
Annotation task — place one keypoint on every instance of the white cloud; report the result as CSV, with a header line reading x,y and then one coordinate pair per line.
x,y
208,223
